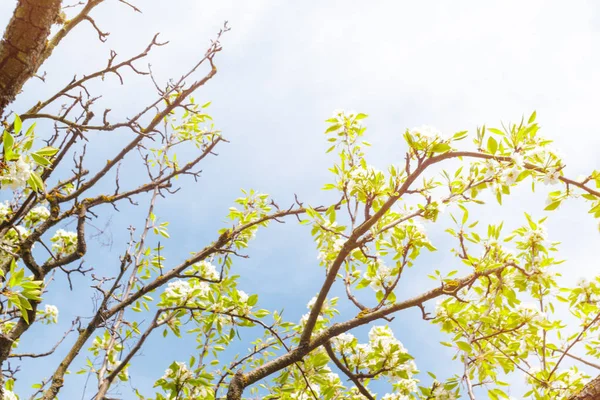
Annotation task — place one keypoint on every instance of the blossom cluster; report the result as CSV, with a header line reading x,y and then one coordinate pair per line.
x,y
330,249
10,242
345,119
381,276
5,210
178,379
17,233
531,312
178,289
383,354
440,392
587,291
178,372
207,270
64,242
566,383
37,215
17,174
365,180
10,395
427,134
49,314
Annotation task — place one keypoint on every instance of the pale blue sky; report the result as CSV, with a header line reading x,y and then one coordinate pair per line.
x,y
286,66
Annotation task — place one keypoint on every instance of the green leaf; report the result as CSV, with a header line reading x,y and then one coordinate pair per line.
x,y
553,206
163,233
320,359
252,300
532,118
441,148
40,160
29,132
35,182
8,143
492,145
25,315
18,124
47,151
363,284
27,144
464,346
465,217
498,393
261,313
333,128
460,135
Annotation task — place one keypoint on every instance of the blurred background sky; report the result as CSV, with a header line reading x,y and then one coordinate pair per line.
x,y
284,68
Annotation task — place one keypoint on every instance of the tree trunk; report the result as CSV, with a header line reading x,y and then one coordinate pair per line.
x,y
591,391
23,45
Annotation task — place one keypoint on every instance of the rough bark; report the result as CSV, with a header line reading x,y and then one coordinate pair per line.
x,y
591,391
23,45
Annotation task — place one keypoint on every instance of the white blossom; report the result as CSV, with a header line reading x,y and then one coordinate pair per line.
x,y
359,175
10,395
22,232
511,175
304,319
306,394
361,351
407,385
440,393
52,312
182,374
490,169
321,256
394,396
64,242
518,160
537,235
338,244
532,373
208,271
342,340
440,310
418,228
530,311
551,177
496,187
38,214
382,279
4,210
583,283
243,296
178,289
427,133
383,336
18,173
